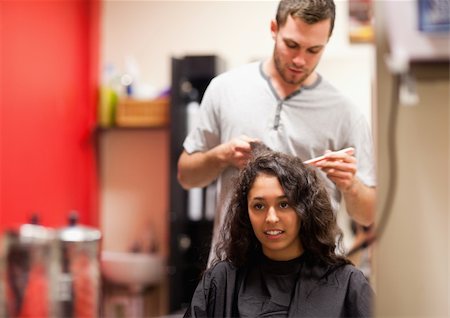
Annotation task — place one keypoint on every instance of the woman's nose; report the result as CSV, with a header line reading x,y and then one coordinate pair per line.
x,y
272,216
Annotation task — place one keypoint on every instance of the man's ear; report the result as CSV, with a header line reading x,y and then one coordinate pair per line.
x,y
273,28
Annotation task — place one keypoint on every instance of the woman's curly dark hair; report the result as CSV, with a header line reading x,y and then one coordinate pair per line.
x,y
306,193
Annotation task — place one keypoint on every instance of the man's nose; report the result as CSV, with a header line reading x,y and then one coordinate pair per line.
x,y
299,59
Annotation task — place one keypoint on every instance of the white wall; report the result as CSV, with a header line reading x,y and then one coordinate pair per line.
x,y
153,31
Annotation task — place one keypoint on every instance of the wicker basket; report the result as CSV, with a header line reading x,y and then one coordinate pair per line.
x,y
143,113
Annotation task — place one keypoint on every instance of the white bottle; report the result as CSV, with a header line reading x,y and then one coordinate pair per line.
x,y
195,195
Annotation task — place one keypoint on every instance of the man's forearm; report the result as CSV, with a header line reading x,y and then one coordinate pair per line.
x,y
199,169
360,203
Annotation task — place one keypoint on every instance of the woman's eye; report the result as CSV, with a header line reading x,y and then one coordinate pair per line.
x,y
284,205
258,206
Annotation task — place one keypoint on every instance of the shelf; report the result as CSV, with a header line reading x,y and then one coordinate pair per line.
x,y
130,128
143,113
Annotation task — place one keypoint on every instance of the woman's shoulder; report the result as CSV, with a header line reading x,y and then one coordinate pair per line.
x,y
221,269
349,269
351,274
220,274
341,270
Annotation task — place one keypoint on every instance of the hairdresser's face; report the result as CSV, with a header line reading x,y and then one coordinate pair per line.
x,y
274,221
298,48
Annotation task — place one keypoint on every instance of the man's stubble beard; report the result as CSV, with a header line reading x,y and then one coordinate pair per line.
x,y
282,72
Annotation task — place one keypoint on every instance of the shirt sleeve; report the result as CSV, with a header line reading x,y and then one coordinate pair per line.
x,y
359,299
206,134
198,305
361,139
214,295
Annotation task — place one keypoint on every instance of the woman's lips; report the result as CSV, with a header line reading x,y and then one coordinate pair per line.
x,y
273,234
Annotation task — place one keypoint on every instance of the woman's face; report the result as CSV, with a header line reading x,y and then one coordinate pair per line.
x,y
274,221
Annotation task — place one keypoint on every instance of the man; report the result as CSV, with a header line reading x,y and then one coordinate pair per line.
x,y
287,105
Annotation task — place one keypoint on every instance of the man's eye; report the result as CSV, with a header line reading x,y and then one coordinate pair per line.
x,y
314,51
291,45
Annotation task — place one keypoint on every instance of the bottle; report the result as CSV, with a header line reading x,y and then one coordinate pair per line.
x,y
108,97
195,195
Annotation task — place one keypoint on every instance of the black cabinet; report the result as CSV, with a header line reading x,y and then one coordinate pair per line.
x,y
189,239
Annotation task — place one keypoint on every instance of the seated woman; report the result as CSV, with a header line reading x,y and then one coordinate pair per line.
x,y
277,251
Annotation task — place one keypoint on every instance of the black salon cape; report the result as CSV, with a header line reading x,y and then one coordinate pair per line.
x,y
321,291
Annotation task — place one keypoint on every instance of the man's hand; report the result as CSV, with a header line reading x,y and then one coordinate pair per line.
x,y
341,168
237,151
201,168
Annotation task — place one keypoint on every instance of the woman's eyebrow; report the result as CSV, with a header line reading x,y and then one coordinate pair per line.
x,y
281,197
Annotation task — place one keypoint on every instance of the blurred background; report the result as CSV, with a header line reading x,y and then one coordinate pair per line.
x,y
97,97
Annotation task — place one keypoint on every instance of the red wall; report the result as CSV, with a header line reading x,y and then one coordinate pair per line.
x,y
48,86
